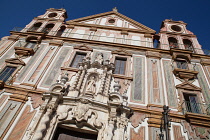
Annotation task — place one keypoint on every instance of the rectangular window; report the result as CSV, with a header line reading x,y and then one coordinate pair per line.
x,y
6,73
191,103
30,45
120,65
77,58
182,64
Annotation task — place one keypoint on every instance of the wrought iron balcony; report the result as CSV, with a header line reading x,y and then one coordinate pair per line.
x,y
193,107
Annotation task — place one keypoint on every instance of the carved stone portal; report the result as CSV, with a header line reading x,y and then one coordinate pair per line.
x,y
87,106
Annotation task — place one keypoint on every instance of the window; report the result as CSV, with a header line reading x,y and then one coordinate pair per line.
x,y
120,65
172,42
77,58
181,63
30,45
191,103
6,73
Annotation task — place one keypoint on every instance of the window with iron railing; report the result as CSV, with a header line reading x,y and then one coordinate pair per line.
x,y
192,104
6,73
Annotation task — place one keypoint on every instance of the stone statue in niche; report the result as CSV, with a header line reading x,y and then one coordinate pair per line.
x,y
99,58
91,85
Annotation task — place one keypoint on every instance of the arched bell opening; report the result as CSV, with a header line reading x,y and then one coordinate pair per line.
x,y
60,31
173,42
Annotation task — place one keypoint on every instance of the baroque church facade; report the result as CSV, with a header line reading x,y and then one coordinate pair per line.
x,y
102,77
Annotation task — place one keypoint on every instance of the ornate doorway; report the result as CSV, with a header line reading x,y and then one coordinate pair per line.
x,y
66,134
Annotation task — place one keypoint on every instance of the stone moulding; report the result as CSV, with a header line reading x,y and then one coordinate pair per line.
x,y
185,74
198,119
23,51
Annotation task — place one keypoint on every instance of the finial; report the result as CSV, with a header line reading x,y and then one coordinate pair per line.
x,y
115,9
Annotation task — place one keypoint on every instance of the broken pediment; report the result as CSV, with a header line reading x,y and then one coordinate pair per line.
x,y
112,18
16,61
83,47
121,52
188,86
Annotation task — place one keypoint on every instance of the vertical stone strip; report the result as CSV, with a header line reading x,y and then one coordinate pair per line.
x,y
138,89
203,83
178,133
54,69
3,99
170,86
7,55
154,133
22,124
8,114
154,82
32,78
30,64
207,72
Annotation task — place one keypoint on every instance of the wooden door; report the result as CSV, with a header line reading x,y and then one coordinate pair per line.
x,y
65,134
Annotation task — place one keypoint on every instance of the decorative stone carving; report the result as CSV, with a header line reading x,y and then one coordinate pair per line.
x,y
99,58
87,105
91,85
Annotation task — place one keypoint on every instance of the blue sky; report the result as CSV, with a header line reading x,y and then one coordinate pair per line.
x,y
18,13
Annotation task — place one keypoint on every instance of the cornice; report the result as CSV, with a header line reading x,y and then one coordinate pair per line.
x,y
101,43
122,76
18,88
47,19
193,118
174,33
70,69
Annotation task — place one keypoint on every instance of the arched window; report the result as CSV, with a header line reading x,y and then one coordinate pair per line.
x,y
61,30
172,42
48,28
36,26
187,44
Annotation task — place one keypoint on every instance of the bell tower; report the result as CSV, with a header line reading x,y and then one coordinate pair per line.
x,y
174,34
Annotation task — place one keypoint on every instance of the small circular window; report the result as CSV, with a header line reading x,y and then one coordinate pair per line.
x,y
52,15
176,28
111,21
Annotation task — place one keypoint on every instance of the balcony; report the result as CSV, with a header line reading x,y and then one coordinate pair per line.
x,y
193,107
196,113
25,48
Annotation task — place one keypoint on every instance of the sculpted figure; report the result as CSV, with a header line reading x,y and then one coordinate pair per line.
x,y
91,85
99,58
